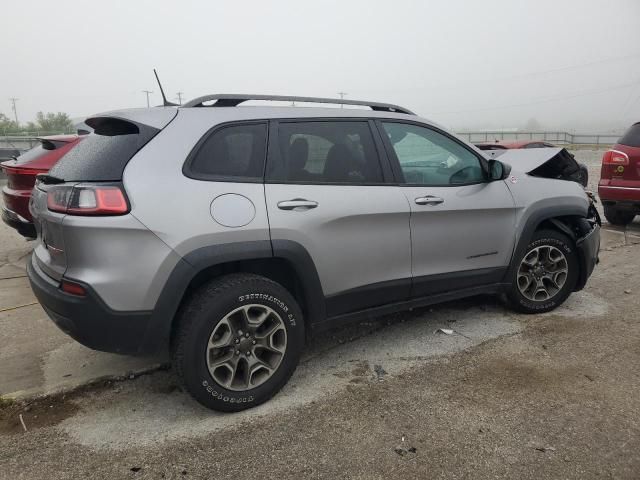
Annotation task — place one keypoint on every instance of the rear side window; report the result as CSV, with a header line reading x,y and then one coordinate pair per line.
x,y
103,155
631,138
231,153
325,152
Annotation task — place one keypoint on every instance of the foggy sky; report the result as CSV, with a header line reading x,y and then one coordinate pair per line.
x,y
466,64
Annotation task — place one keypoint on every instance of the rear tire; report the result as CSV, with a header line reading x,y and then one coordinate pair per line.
x,y
545,274
615,216
238,341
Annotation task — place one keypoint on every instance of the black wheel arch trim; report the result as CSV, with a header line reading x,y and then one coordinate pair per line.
x,y
554,215
176,287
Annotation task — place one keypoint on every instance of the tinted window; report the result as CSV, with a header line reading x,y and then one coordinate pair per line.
x,y
326,152
103,155
236,152
631,137
428,157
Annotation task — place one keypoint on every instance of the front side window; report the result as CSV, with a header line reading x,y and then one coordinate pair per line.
x,y
428,157
235,152
325,152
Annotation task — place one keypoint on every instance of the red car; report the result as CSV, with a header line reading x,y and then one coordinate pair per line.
x,y
507,145
619,186
21,176
514,144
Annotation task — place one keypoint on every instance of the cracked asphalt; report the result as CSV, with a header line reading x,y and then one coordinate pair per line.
x,y
504,396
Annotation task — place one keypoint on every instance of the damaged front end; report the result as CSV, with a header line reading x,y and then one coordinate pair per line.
x,y
585,232
559,164
556,163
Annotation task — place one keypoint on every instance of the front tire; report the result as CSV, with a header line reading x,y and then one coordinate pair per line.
x,y
615,216
545,274
238,341
584,175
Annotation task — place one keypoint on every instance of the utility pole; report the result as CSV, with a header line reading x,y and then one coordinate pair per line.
x,y
15,110
179,94
148,92
342,94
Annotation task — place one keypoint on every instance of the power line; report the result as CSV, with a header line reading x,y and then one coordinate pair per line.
x,y
147,92
13,107
179,96
536,102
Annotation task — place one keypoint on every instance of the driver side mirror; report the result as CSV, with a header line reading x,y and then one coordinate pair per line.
x,y
498,170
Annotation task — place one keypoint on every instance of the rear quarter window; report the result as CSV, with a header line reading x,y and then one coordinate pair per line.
x,y
631,138
230,153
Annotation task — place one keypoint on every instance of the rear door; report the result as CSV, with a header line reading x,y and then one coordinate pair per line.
x,y
462,226
327,190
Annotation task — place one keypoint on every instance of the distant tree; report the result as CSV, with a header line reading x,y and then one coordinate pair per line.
x,y
7,125
533,125
51,122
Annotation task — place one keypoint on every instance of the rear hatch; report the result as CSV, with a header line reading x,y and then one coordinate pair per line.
x,y
97,163
621,164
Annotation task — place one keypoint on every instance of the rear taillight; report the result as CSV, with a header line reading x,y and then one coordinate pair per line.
x,y
615,157
87,200
21,178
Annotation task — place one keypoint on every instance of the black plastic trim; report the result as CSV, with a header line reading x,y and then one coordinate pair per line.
x,y
372,313
159,332
26,229
532,223
368,296
88,319
446,282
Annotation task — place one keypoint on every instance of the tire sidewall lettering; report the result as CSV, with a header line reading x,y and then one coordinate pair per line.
x,y
270,298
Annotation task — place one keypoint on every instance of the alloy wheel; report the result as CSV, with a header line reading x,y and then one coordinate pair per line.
x,y
246,347
542,273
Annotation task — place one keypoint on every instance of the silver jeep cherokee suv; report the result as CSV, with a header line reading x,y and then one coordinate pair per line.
x,y
229,234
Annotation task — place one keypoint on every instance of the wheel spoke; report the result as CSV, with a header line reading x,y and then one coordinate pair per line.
x,y
531,258
222,334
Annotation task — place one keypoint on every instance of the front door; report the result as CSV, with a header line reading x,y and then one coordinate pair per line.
x,y
462,225
325,190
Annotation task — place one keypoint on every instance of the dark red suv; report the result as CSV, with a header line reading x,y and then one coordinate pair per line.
x,y
21,176
619,186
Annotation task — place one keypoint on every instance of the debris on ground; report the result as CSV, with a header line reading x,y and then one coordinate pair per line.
x,y
404,448
446,331
24,427
379,371
627,291
545,449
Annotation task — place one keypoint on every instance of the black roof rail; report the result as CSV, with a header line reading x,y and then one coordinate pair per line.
x,y
231,100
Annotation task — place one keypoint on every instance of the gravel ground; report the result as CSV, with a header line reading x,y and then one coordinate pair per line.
x,y
508,396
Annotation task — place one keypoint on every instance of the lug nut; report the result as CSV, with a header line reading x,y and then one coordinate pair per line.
x,y
237,340
253,342
237,352
248,354
246,334
240,332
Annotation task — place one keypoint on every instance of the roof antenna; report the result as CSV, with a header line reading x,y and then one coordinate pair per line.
x,y
164,99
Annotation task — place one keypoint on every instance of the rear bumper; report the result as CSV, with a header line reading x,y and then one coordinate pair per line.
x,y
17,201
16,221
588,248
620,196
89,321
